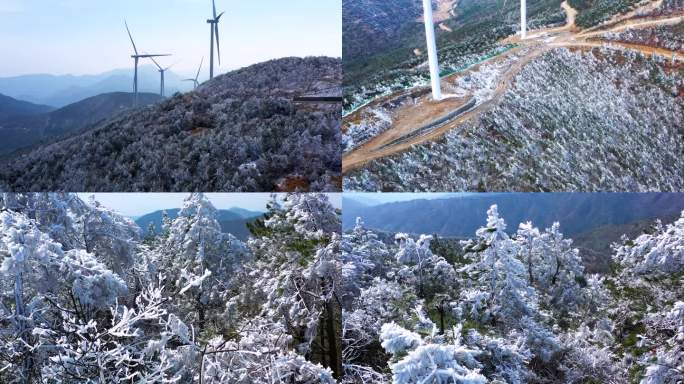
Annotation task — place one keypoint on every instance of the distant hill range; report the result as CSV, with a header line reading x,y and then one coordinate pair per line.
x,y
12,108
241,131
462,216
44,124
592,220
61,90
233,221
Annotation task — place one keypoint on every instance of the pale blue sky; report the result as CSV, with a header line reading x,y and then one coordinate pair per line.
x,y
88,36
138,204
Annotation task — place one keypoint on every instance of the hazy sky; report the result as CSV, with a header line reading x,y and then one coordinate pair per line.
x,y
89,37
138,204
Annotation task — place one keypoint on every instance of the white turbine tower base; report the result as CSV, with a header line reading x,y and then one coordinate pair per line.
x,y
523,19
432,51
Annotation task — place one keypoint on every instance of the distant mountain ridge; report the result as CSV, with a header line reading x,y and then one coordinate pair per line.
x,y
233,220
28,130
12,108
61,90
594,221
461,216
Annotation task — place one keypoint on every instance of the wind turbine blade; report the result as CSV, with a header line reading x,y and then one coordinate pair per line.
x,y
155,62
218,45
200,69
219,16
169,67
131,37
213,3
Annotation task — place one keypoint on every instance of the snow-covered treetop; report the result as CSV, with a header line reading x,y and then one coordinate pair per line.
x,y
660,252
311,215
495,228
198,205
411,251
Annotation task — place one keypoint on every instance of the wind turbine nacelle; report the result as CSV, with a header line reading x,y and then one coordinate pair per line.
x,y
211,21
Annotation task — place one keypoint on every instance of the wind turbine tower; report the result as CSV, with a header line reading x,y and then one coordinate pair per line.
x,y
432,50
523,19
213,23
161,71
137,58
195,81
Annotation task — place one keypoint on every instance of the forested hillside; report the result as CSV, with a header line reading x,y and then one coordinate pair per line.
x,y
601,120
380,39
26,131
85,299
239,132
512,308
11,108
593,12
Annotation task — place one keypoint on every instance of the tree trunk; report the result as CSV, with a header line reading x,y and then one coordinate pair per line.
x,y
20,315
334,338
555,275
440,309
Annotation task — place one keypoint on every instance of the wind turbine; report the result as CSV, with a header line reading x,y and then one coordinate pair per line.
x,y
432,50
137,57
162,71
213,23
523,19
195,82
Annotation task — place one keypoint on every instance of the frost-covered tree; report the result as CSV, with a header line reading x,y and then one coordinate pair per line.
x,y
70,312
660,252
666,363
430,359
110,236
432,273
554,268
295,279
500,273
363,256
521,300
44,279
197,255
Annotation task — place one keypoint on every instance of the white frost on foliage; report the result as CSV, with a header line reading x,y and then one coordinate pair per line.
x,y
427,362
396,339
661,252
667,365
310,214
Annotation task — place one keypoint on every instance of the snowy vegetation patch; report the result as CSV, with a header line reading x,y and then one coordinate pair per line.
x,y
85,299
239,132
575,121
513,308
666,36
